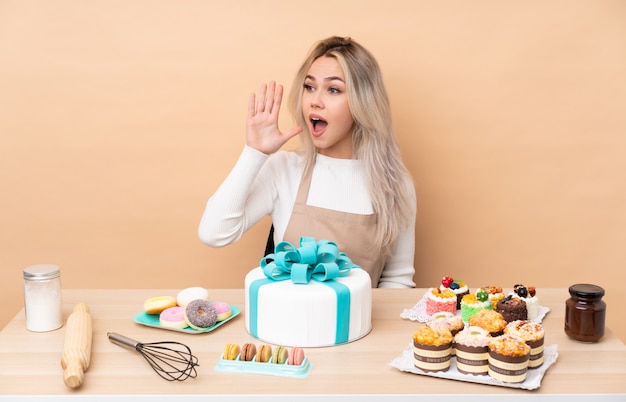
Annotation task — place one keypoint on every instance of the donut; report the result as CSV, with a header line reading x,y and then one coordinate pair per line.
x,y
187,295
200,314
173,317
222,309
155,305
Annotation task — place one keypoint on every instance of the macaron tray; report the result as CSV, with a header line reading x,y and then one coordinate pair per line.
x,y
152,320
254,367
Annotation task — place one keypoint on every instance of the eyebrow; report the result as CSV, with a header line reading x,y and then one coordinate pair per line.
x,y
331,78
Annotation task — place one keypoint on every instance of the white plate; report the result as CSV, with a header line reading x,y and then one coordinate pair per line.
x,y
533,377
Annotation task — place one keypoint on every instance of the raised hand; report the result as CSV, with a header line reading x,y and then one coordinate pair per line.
x,y
262,132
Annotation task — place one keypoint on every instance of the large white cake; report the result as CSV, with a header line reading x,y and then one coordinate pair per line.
x,y
314,314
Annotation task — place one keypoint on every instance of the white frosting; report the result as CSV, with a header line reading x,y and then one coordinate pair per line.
x,y
291,314
460,290
473,336
439,299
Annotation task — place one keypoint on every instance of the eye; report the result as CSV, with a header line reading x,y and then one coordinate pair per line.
x,y
308,88
334,90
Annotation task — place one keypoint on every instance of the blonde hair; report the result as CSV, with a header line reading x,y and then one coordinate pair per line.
x,y
374,140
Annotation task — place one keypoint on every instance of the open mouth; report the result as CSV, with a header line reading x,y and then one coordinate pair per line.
x,y
319,125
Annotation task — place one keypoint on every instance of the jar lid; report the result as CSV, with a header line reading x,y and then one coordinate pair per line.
x,y
586,290
42,272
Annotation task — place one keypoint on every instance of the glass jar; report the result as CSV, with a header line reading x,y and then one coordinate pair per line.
x,y
585,313
42,297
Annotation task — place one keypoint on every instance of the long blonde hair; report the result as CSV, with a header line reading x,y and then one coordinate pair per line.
x,y
374,140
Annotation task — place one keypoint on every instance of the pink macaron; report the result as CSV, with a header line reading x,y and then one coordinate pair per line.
x,y
223,310
296,356
173,317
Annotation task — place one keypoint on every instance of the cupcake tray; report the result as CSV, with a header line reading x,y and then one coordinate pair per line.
x,y
254,367
404,362
418,312
152,320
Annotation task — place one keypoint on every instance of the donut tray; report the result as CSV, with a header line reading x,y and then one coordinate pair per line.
x,y
254,367
152,320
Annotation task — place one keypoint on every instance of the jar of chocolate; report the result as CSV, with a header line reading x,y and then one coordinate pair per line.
x,y
585,313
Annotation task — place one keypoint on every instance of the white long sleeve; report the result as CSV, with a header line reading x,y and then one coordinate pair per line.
x,y
260,185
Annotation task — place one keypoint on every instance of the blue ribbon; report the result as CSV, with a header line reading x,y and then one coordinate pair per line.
x,y
319,261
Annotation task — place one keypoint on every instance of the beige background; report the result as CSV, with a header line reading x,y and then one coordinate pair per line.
x,y
119,118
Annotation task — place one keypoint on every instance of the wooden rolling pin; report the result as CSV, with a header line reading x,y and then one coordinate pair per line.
x,y
77,346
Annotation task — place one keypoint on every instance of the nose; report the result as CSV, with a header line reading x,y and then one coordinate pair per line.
x,y
316,100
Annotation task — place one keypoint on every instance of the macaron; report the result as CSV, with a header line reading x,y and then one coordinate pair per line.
x,y
248,351
280,356
231,351
200,314
264,353
155,305
296,356
173,317
223,310
186,296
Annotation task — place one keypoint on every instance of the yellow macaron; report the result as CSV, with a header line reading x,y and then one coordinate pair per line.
x,y
231,351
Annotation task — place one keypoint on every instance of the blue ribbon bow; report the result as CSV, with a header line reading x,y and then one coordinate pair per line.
x,y
320,261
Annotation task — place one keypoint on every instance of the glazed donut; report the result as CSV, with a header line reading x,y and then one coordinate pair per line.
x,y
200,314
222,309
187,295
173,317
155,305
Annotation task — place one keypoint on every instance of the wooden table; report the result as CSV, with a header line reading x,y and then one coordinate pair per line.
x,y
359,370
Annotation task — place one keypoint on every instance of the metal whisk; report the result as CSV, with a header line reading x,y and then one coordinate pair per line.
x,y
173,361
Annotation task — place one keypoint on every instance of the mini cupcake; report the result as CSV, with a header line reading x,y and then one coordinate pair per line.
x,y
533,334
449,321
446,320
489,320
529,295
508,359
473,303
472,351
459,288
495,294
512,309
438,300
432,349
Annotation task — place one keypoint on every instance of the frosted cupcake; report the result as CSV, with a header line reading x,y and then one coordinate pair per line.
x,y
489,320
438,300
449,321
508,359
459,288
432,349
529,296
472,351
495,294
471,304
533,334
446,320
